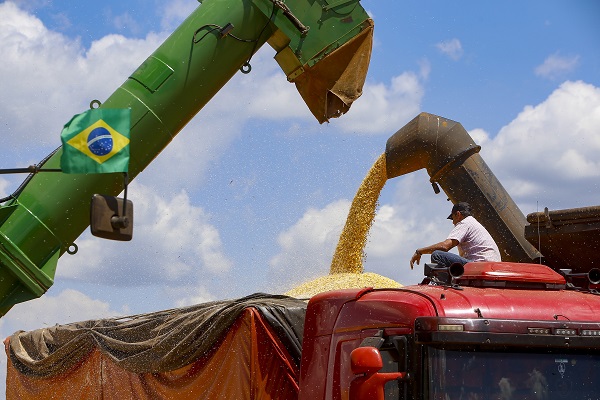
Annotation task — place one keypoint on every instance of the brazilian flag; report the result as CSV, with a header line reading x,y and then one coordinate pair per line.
x,y
96,142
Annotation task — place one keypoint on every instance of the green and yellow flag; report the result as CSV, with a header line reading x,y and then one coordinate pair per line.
x,y
96,142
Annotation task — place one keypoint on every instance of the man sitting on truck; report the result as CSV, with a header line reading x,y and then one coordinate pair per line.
x,y
473,240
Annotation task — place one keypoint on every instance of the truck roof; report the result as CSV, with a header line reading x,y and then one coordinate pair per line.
x,y
485,290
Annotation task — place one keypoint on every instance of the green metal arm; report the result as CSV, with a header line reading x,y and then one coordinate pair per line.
x,y
324,49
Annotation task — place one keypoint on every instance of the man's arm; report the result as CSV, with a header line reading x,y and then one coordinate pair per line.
x,y
446,245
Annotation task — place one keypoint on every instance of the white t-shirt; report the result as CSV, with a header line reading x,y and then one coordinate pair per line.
x,y
474,241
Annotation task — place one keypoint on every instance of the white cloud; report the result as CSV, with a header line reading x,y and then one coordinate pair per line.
x,y
550,151
480,136
4,185
173,243
556,65
306,248
30,4
383,108
67,306
424,68
196,295
452,48
271,96
46,77
174,12
125,22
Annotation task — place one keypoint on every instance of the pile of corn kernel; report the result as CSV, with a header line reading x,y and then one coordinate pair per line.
x,y
346,270
341,281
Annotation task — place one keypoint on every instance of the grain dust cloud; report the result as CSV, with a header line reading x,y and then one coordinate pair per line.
x,y
347,270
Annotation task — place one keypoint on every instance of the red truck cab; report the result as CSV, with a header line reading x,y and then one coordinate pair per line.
x,y
485,331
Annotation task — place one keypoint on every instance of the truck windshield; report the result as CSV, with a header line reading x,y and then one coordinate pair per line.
x,y
514,375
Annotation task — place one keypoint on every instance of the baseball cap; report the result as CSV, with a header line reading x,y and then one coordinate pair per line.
x,y
462,207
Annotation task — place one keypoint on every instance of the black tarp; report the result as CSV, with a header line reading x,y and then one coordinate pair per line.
x,y
155,342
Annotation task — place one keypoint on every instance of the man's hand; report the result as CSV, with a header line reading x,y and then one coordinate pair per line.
x,y
446,245
416,258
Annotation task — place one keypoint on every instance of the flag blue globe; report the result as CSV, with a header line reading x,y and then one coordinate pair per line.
x,y
100,142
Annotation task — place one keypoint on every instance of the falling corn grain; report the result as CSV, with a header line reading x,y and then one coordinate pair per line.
x,y
349,253
346,269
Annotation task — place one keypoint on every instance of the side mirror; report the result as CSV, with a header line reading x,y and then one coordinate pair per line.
x,y
110,218
366,362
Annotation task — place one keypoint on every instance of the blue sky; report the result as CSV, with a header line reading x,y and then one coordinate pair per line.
x,y
252,195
